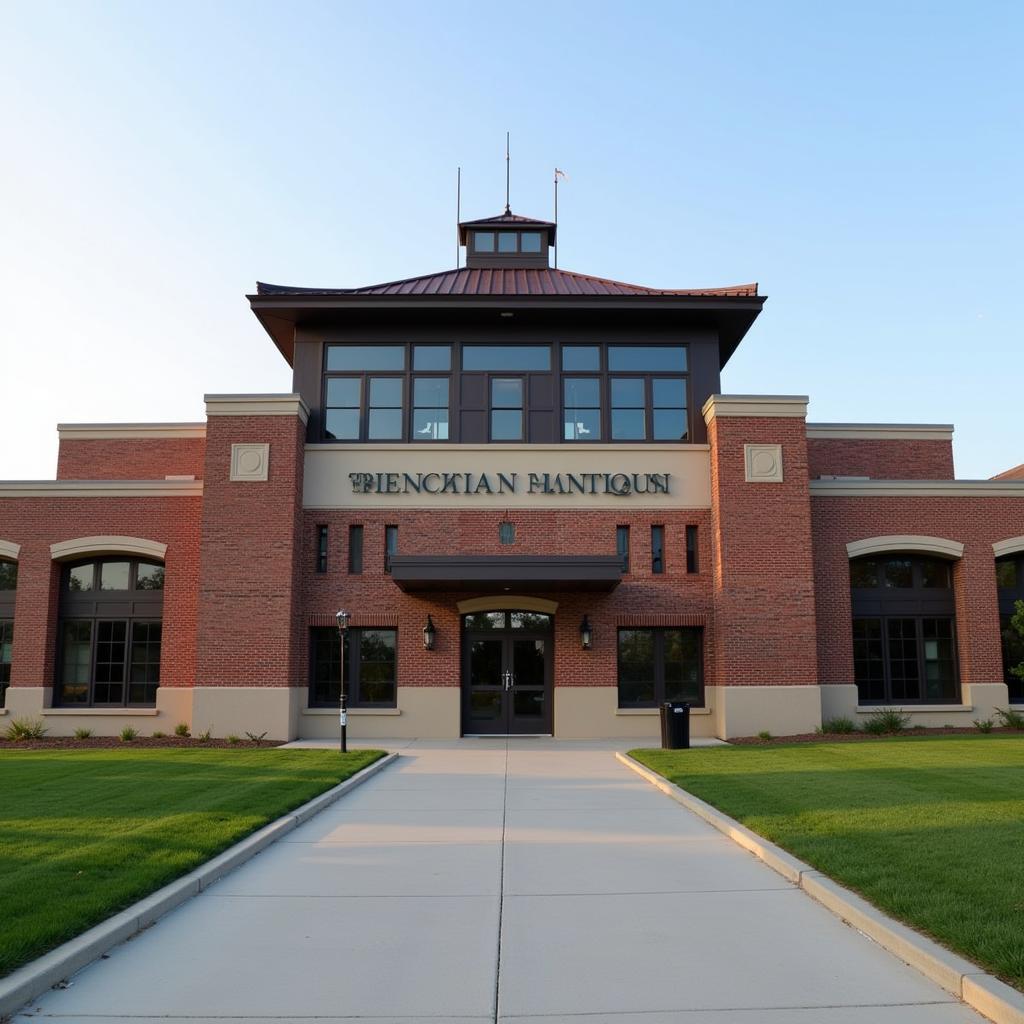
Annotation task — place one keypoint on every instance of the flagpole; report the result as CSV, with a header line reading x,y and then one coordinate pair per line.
x,y
458,212
556,219
508,208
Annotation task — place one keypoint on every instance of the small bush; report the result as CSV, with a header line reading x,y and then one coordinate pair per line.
x,y
839,726
256,738
1011,719
764,734
128,734
159,735
83,734
181,729
233,739
984,725
204,737
881,723
25,729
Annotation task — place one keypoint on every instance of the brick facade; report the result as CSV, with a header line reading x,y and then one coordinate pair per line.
x,y
880,459
131,458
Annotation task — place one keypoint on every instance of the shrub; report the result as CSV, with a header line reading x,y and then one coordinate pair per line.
x,y
128,734
159,735
764,734
880,723
1011,719
984,725
840,726
83,734
204,737
25,729
233,739
181,729
256,738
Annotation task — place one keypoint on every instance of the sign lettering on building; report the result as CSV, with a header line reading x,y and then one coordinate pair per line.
x,y
618,484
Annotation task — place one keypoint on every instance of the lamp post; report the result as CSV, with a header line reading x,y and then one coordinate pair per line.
x,y
586,634
343,618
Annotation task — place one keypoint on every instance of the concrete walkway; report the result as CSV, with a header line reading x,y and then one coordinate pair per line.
x,y
522,881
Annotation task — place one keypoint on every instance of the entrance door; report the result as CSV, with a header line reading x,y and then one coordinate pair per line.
x,y
506,674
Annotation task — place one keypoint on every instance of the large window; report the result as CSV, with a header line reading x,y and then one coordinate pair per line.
x,y
110,632
367,389
904,630
533,392
8,585
657,665
1010,584
370,667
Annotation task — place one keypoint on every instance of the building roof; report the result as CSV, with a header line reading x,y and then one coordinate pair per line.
x,y
508,282
1017,473
507,218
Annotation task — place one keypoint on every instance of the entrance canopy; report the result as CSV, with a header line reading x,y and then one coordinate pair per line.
x,y
489,572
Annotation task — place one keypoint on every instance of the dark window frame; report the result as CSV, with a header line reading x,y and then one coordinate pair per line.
x,y
658,656
355,549
890,605
692,550
658,564
322,543
6,655
134,606
329,638
455,374
622,546
1010,644
390,545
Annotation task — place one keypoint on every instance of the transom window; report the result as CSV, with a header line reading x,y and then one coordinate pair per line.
x,y
110,632
904,630
658,665
370,667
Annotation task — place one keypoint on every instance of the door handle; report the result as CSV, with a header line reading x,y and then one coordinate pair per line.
x,y
508,680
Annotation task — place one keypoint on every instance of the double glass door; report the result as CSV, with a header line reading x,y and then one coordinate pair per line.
x,y
506,681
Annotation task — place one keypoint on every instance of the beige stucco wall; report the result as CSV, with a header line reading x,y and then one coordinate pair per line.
x,y
423,712
780,710
979,702
327,469
589,712
173,705
240,709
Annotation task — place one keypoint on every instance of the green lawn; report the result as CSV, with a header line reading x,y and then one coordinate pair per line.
x,y
930,830
85,833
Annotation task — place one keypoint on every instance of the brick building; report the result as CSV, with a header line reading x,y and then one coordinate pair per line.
x,y
525,486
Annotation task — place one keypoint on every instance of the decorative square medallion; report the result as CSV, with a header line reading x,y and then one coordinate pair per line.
x,y
763,463
250,461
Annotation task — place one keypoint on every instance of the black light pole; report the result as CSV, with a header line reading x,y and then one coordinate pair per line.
x,y
343,618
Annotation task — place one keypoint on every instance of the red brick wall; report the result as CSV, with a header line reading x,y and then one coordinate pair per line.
x,y
373,599
131,459
763,573
36,523
880,460
975,522
248,608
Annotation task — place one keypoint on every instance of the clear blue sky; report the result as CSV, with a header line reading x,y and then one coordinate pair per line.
x,y
863,162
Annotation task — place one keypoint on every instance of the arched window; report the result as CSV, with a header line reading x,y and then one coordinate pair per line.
x,y
1010,583
8,585
111,612
904,630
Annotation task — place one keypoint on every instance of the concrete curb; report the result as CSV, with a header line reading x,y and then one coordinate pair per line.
x,y
35,978
961,978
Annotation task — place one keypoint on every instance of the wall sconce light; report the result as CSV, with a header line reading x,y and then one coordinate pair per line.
x,y
429,635
586,634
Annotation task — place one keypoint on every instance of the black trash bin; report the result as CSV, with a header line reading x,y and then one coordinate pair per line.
x,y
675,726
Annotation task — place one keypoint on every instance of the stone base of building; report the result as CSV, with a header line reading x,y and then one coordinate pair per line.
x,y
423,712
173,705
979,701
780,710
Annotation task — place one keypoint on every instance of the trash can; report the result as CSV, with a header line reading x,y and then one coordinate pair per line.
x,y
675,726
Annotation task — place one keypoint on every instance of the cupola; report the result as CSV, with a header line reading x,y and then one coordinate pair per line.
x,y
507,241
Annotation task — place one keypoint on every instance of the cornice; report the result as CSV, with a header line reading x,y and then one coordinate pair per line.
x,y
917,488
101,488
128,431
257,405
760,406
880,431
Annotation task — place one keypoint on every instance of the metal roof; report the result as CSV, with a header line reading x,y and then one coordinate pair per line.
x,y
512,281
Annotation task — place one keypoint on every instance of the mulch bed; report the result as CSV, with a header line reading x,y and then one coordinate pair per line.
x,y
106,742
858,737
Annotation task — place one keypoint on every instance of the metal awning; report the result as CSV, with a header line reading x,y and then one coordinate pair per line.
x,y
497,572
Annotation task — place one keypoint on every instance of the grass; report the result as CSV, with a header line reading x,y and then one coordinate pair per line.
x,y
930,830
85,833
